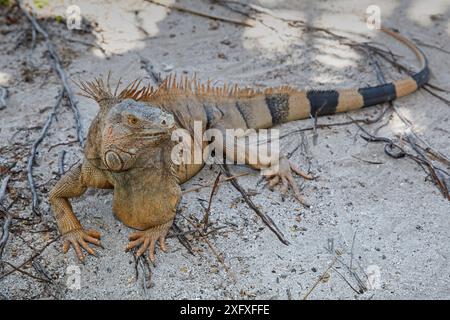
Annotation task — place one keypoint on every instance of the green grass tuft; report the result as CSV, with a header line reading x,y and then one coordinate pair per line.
x,y
5,3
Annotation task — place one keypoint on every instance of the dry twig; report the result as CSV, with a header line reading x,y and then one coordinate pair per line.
x,y
208,210
31,259
3,96
421,159
202,14
322,276
142,262
209,185
204,237
8,217
265,218
58,69
61,162
35,200
182,238
156,77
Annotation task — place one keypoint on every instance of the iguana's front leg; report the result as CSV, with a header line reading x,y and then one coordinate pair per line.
x,y
73,184
147,239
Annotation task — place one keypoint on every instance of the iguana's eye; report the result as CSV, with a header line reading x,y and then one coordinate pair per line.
x,y
132,120
163,122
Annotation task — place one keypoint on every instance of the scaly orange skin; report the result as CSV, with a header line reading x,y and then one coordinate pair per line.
x,y
128,146
146,188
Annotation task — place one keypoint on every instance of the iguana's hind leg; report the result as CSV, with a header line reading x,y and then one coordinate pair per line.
x,y
73,184
282,173
276,167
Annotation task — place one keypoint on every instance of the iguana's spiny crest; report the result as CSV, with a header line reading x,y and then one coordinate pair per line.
x,y
171,86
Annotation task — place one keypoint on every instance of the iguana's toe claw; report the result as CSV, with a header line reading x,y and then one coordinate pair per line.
x,y
144,246
93,233
80,239
273,181
301,173
147,239
162,243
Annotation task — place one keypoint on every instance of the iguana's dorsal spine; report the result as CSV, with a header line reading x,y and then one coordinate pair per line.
x,y
253,108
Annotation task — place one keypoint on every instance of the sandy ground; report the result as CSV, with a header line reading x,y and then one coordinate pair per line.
x,y
388,220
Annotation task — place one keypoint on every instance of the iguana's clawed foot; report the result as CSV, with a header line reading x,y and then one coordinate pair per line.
x,y
147,239
282,173
79,239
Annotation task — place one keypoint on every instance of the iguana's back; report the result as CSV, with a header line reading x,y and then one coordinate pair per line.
x,y
234,107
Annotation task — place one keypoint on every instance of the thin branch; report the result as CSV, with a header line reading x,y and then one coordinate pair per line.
x,y
61,162
8,217
367,161
3,188
146,270
352,250
425,44
422,160
73,103
62,144
208,210
441,184
182,238
30,259
346,281
156,77
202,14
219,257
26,273
322,276
41,270
434,94
34,202
362,286
5,234
265,218
209,185
3,96
30,62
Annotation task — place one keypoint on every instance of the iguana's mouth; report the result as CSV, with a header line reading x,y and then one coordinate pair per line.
x,y
149,134
119,159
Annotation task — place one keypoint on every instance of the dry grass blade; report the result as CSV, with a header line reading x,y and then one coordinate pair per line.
x,y
321,277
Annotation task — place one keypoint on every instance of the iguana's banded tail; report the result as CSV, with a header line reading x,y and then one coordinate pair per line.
x,y
288,104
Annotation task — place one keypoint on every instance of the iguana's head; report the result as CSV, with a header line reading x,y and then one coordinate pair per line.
x,y
130,129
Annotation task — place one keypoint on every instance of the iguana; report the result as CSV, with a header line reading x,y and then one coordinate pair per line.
x,y
129,144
